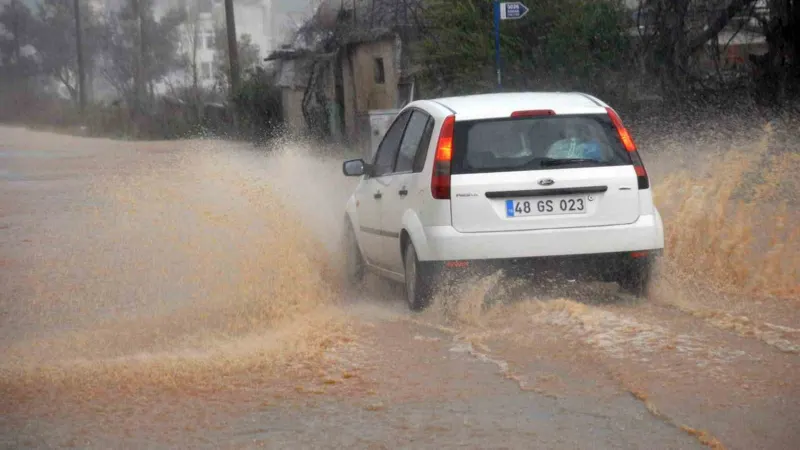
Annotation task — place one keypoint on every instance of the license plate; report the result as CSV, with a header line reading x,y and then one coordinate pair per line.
x,y
546,206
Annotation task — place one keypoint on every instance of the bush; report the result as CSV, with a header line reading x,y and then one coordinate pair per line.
x,y
258,107
560,44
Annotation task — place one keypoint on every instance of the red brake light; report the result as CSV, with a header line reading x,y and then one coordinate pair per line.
x,y
534,113
440,179
624,135
630,146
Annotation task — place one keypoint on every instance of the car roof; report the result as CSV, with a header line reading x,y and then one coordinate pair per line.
x,y
488,106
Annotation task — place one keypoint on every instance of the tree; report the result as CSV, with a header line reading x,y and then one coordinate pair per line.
x,y
580,44
79,54
258,105
248,52
18,22
560,43
233,49
125,41
53,37
192,37
781,65
20,84
584,44
675,33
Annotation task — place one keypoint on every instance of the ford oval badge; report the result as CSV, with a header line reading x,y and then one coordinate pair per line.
x,y
546,181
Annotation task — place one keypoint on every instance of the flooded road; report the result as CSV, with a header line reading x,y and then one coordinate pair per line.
x,y
188,294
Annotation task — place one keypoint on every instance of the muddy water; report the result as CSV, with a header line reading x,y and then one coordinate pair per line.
x,y
730,201
168,286
178,266
734,225
728,286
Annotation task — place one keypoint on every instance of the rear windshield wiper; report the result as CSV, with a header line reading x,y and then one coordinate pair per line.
x,y
549,162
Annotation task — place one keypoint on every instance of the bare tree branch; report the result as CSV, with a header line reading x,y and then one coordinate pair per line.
x,y
719,23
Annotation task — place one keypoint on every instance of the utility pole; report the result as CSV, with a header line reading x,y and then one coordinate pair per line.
x,y
15,31
142,51
497,61
233,48
79,47
138,67
194,15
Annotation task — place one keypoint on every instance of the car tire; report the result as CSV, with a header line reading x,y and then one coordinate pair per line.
x,y
354,260
418,281
635,279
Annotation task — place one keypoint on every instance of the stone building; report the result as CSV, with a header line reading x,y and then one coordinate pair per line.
x,y
350,58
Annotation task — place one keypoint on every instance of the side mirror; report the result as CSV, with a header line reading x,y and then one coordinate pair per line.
x,y
354,168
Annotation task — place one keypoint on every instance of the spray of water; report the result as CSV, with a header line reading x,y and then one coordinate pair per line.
x,y
208,263
734,226
200,266
730,207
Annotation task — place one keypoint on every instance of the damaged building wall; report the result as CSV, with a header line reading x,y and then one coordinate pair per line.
x,y
308,93
292,79
293,109
319,101
371,76
362,44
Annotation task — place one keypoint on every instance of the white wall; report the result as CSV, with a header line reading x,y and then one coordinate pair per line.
x,y
205,50
266,21
255,19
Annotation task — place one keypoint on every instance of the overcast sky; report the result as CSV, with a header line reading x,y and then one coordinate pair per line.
x,y
293,11
27,2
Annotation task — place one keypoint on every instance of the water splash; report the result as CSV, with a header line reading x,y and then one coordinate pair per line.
x,y
189,268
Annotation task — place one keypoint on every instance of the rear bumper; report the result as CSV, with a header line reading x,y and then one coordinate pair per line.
x,y
597,266
444,243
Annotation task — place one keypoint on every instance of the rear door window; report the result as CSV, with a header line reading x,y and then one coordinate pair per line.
x,y
415,132
419,159
387,151
537,143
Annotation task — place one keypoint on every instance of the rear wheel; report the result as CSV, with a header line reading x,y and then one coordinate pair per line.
x,y
636,278
417,280
354,264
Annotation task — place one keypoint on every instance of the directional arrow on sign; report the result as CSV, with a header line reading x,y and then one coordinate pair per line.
x,y
512,10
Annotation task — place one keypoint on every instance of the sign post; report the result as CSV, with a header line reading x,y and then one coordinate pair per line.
x,y
504,11
497,44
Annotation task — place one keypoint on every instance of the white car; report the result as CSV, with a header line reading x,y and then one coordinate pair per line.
x,y
533,180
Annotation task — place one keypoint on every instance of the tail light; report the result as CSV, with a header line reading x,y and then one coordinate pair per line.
x,y
630,146
440,179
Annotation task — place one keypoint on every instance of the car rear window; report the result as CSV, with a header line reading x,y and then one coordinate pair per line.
x,y
536,143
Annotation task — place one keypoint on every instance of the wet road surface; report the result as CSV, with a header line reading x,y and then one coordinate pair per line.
x,y
162,295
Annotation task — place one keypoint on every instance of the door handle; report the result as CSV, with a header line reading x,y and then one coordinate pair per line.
x,y
403,192
378,195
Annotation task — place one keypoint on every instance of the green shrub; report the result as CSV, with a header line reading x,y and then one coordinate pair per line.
x,y
560,44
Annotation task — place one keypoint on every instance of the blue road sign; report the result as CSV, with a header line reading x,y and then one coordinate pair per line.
x,y
512,10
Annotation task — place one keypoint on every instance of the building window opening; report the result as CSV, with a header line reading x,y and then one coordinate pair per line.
x,y
206,70
380,73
